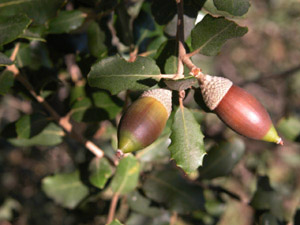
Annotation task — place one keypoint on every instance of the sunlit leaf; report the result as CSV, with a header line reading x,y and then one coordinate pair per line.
x,y
51,135
126,177
100,172
211,33
115,74
65,189
234,7
187,147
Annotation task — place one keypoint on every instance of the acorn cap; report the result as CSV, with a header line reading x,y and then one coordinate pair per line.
x,y
213,89
164,96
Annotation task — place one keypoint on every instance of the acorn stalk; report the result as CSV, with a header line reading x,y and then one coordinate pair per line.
x,y
238,109
144,120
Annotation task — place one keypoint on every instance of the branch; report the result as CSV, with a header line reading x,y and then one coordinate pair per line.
x,y
180,39
64,122
112,208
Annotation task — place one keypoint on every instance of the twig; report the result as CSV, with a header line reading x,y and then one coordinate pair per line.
x,y
64,122
112,208
180,39
181,97
73,68
173,218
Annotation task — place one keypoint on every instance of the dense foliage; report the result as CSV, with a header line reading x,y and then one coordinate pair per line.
x,y
68,71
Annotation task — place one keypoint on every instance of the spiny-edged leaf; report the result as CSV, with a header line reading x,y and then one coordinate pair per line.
x,y
266,198
51,135
96,40
4,60
289,127
115,74
182,84
126,178
168,187
6,81
107,102
211,33
157,151
30,125
11,27
65,189
234,7
66,21
40,11
141,204
100,172
221,159
115,222
187,147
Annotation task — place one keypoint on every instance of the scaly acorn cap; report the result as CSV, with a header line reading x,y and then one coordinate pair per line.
x,y
164,96
213,89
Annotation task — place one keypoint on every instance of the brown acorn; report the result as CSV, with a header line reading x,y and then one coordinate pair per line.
x,y
238,109
144,120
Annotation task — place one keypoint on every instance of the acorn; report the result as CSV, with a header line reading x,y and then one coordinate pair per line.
x,y
144,120
237,108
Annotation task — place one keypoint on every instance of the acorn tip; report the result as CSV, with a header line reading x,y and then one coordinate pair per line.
x,y
280,141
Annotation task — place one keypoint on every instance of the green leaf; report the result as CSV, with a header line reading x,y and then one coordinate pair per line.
x,y
66,21
187,147
289,128
115,222
266,198
100,172
51,135
84,111
221,159
40,11
168,187
8,208
182,84
115,74
126,178
4,60
6,81
107,102
96,40
234,7
138,219
31,125
157,151
11,27
211,33
65,189
141,204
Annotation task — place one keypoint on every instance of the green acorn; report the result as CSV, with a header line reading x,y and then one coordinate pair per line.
x,y
144,120
238,109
